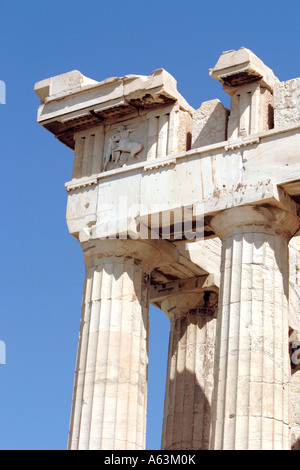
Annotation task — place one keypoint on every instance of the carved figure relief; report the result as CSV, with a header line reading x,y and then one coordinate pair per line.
x,y
120,148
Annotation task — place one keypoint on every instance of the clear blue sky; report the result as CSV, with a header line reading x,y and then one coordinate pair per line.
x,y
41,274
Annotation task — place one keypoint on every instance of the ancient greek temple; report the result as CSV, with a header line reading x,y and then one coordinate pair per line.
x,y
194,211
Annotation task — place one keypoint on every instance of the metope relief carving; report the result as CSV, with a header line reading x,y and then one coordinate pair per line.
x,y
121,148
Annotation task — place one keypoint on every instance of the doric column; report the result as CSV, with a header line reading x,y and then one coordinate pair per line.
x,y
187,412
110,389
252,369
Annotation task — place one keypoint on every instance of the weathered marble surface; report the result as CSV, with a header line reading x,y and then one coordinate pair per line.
x,y
177,206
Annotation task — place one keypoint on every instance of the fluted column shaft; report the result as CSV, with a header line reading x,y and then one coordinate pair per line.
x,y
110,389
187,412
252,370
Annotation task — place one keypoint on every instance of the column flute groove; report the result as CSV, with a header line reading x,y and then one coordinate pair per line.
x,y
88,391
194,367
80,362
93,398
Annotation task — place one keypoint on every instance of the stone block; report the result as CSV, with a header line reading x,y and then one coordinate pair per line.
x,y
287,103
209,124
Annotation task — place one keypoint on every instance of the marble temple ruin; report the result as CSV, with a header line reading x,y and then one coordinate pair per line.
x,y
197,213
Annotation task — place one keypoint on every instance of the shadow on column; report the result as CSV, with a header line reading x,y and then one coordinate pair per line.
x,y
296,445
188,428
279,258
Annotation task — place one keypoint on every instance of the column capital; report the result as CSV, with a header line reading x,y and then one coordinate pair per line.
x,y
143,251
201,301
264,219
